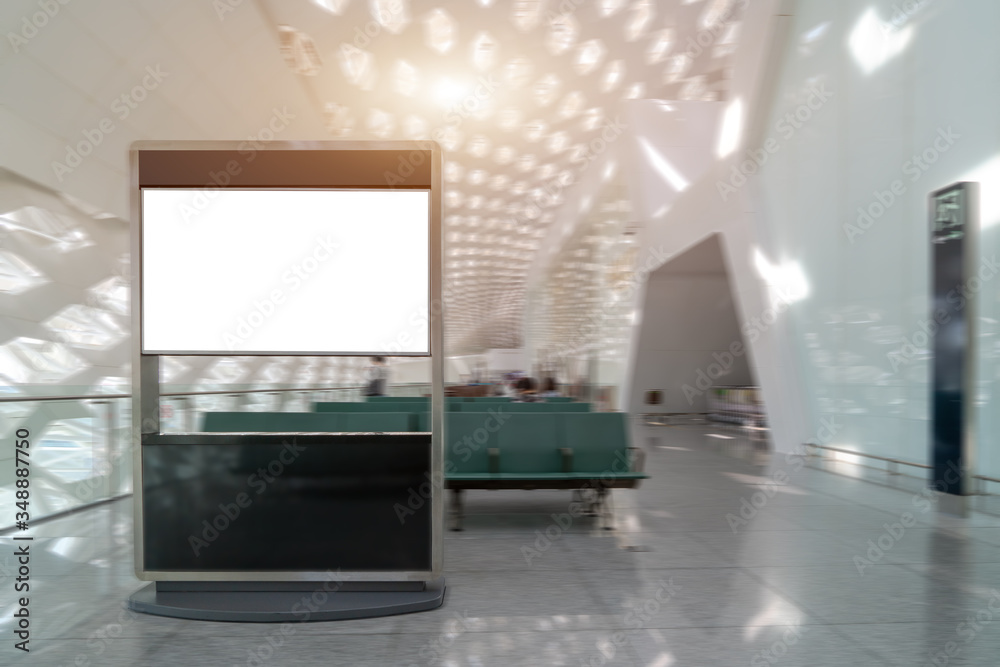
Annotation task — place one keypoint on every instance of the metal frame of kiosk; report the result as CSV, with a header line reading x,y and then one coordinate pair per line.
x,y
278,595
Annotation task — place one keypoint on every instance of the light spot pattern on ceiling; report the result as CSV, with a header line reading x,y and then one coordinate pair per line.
x,y
517,93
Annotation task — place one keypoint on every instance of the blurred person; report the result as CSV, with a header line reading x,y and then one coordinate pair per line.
x,y
527,391
508,385
549,388
377,377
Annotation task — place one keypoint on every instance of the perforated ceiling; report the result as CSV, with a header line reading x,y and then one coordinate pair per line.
x,y
515,92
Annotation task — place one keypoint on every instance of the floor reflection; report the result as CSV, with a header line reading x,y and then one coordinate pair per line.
x,y
729,554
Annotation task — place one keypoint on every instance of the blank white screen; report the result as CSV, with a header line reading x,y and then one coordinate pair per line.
x,y
285,271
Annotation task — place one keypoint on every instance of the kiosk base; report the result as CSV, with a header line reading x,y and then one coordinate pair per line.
x,y
284,602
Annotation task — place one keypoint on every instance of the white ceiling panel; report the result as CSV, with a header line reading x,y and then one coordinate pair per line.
x,y
545,55
23,74
196,24
227,71
13,12
28,148
65,48
121,26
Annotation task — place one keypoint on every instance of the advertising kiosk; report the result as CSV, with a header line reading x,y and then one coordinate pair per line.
x,y
290,248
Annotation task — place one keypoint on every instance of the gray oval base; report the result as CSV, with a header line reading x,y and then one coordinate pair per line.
x,y
284,606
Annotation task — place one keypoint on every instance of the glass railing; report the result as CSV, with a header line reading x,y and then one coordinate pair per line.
x,y
181,412
80,447
78,453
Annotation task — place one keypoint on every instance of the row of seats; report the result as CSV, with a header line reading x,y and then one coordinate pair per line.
x,y
554,445
313,422
489,449
460,399
540,447
413,406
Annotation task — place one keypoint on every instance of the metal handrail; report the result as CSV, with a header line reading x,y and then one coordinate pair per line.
x,y
870,456
82,397
983,478
249,391
851,452
29,399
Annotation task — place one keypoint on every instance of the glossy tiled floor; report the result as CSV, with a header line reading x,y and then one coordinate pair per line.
x,y
679,582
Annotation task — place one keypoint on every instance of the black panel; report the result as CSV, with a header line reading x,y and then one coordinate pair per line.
x,y
312,502
950,314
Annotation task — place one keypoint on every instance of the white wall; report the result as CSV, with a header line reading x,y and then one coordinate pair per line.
x,y
418,370
60,331
505,361
678,218
859,297
936,77
687,319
